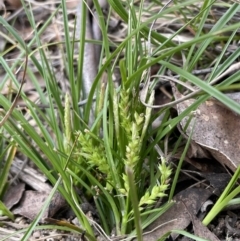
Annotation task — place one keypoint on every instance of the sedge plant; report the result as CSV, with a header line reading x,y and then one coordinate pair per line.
x,y
115,161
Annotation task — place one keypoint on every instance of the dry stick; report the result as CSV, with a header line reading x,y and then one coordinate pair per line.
x,y
97,32
89,62
231,69
9,112
5,118
91,51
167,78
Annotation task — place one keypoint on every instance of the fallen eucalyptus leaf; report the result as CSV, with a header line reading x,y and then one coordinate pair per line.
x,y
202,231
15,4
216,128
188,201
13,195
32,202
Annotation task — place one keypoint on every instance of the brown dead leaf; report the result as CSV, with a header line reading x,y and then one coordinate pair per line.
x,y
32,202
2,5
57,203
14,4
72,4
177,217
13,195
216,129
202,231
218,181
197,151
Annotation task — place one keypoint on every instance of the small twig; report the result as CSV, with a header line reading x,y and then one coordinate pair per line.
x,y
231,69
167,78
9,112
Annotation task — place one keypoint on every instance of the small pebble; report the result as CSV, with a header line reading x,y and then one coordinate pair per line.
x,y
50,239
18,219
36,234
22,222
